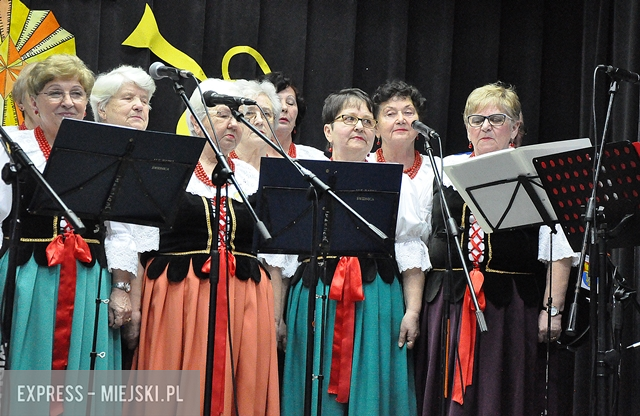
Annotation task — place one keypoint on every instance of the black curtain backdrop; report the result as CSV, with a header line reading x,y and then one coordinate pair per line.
x,y
548,49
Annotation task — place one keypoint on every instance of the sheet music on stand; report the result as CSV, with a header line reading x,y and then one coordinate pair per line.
x,y
503,189
116,173
568,177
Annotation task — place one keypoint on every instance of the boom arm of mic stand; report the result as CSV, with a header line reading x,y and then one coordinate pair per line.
x,y
452,230
223,161
19,157
310,177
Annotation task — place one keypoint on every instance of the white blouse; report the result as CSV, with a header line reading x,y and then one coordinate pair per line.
x,y
413,226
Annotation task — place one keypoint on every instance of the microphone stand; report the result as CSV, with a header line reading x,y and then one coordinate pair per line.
x,y
310,176
599,307
220,175
320,189
19,163
453,232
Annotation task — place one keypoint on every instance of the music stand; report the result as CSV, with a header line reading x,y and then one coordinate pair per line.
x,y
301,225
286,211
568,177
501,186
107,172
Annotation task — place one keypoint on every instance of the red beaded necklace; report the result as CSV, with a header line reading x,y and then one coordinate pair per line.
x,y
45,147
412,171
292,151
204,178
233,155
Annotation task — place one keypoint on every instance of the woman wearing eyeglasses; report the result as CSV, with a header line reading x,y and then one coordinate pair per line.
x,y
175,295
490,373
60,274
49,330
366,369
252,148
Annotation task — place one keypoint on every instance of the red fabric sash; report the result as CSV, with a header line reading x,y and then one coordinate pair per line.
x,y
346,288
467,343
64,250
220,339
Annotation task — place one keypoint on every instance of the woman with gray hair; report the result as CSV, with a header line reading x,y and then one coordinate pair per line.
x,y
252,148
121,97
174,336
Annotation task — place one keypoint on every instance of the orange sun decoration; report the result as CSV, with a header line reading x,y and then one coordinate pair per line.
x,y
26,36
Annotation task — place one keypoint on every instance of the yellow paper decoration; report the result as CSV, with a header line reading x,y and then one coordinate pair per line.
x,y
147,35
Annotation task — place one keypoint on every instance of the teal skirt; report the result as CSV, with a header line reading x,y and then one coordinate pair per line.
x,y
34,312
382,378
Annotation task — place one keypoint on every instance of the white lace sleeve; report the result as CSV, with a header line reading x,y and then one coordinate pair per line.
x,y
146,238
247,176
412,230
561,247
288,263
120,247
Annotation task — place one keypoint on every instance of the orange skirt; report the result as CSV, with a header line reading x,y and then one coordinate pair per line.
x,y
173,336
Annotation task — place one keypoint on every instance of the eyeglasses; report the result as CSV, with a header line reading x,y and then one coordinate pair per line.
x,y
252,113
367,123
496,120
57,96
224,114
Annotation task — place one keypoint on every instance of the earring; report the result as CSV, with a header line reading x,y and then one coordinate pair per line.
x,y
294,131
511,143
36,112
330,149
378,141
470,145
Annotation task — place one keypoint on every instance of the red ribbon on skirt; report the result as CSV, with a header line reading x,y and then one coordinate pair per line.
x,y
64,250
346,288
466,347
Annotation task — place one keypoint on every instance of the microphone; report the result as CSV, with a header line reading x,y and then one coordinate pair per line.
x,y
425,130
620,74
212,98
158,70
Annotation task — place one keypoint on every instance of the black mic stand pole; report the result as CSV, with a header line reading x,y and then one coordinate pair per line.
x,y
599,307
320,188
310,177
454,232
19,163
452,236
221,175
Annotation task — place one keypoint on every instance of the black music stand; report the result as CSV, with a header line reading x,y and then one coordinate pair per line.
x,y
115,173
300,223
569,177
371,189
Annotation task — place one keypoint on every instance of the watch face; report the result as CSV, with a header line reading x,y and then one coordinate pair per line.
x,y
554,311
123,286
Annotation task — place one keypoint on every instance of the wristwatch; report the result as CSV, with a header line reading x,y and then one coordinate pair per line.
x,y
554,311
126,286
